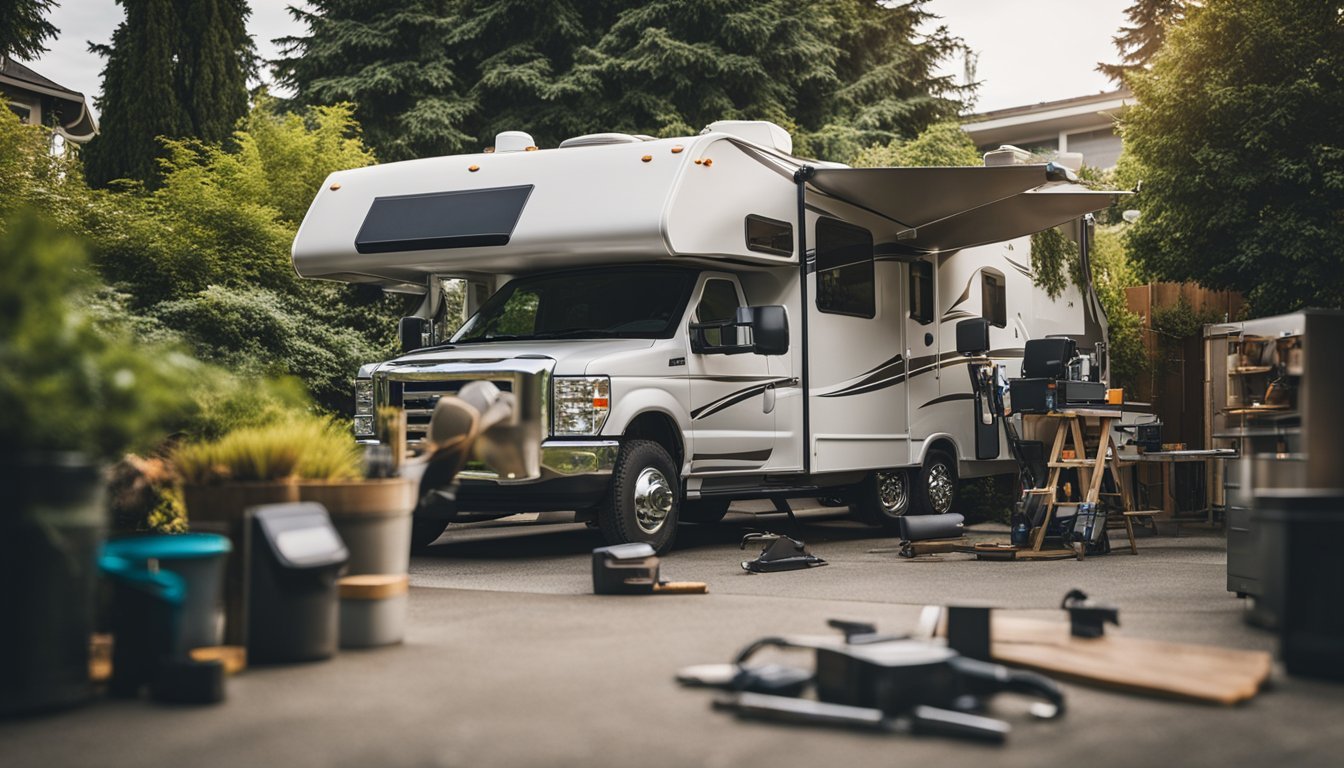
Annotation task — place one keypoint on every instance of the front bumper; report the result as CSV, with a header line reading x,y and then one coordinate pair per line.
x,y
561,459
575,475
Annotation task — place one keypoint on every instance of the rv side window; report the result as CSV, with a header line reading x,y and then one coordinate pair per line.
x,y
769,236
993,299
718,303
921,292
845,269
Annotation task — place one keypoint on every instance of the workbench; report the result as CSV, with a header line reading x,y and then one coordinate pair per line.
x,y
1169,460
1092,461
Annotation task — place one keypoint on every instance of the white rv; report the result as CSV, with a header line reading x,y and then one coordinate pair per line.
x,y
689,321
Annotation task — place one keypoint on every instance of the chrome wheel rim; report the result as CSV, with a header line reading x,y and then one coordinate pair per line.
x,y
892,493
653,500
940,488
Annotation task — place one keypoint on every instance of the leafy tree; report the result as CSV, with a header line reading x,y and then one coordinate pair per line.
x,y
24,28
939,144
1140,41
30,175
1112,273
1241,150
206,254
393,61
175,69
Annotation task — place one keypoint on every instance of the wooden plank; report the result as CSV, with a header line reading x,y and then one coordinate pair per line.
x,y
1135,664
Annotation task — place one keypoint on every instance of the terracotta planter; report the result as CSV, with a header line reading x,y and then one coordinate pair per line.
x,y
219,509
51,524
373,518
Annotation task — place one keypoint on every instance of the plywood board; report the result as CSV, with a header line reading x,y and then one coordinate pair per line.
x,y
1140,665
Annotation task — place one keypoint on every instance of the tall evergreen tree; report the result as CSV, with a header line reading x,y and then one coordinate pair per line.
x,y
442,76
841,74
1141,39
215,66
24,28
139,100
393,61
513,57
175,69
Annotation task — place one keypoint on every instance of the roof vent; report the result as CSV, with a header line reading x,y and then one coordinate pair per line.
x,y
1007,154
598,139
758,132
514,141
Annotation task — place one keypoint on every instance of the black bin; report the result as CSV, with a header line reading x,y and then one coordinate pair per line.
x,y
292,603
1303,576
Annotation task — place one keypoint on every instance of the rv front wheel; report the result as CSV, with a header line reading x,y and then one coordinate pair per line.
x,y
645,497
883,497
937,487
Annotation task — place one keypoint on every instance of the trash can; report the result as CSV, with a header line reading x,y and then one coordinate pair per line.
x,y
146,620
296,558
1303,576
198,558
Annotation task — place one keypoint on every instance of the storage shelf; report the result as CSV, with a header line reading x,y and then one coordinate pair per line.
x,y
1257,409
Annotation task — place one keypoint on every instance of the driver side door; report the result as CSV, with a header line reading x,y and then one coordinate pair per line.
x,y
732,396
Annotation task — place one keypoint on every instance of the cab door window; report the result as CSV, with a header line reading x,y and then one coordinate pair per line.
x,y
718,303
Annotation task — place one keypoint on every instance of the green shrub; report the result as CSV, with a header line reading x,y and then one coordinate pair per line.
x,y
66,382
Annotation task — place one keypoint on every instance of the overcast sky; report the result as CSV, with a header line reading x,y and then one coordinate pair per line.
x,y
1030,50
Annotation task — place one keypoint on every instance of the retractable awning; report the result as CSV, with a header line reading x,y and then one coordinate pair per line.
x,y
944,209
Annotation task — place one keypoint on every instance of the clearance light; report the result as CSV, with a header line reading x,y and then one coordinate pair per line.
x,y
335,186
647,158
473,168
677,149
708,162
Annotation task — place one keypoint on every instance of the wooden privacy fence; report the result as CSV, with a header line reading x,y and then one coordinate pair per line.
x,y
1174,380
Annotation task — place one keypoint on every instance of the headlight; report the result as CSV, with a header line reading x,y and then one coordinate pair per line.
x,y
581,404
364,427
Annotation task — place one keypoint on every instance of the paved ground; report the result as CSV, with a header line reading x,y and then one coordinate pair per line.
x,y
511,661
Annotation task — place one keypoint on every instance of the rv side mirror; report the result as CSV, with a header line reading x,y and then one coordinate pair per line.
x,y
411,331
973,336
769,329
758,330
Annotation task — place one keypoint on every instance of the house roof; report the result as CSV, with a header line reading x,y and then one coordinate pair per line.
x,y
74,121
1047,118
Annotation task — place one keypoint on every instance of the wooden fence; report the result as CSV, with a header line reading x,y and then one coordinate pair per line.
x,y
1174,381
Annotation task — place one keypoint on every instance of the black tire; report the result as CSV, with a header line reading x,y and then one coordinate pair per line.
x,y
883,498
645,497
703,511
935,489
425,531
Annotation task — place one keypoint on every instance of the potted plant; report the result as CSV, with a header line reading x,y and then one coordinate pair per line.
x,y
222,478
77,391
372,515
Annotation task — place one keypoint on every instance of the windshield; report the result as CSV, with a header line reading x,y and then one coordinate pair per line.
x,y
628,303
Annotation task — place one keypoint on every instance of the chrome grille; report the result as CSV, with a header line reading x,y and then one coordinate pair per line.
x,y
418,399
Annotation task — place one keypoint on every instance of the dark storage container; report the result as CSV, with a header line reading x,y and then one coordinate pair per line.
x,y
1303,576
51,524
296,558
198,558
